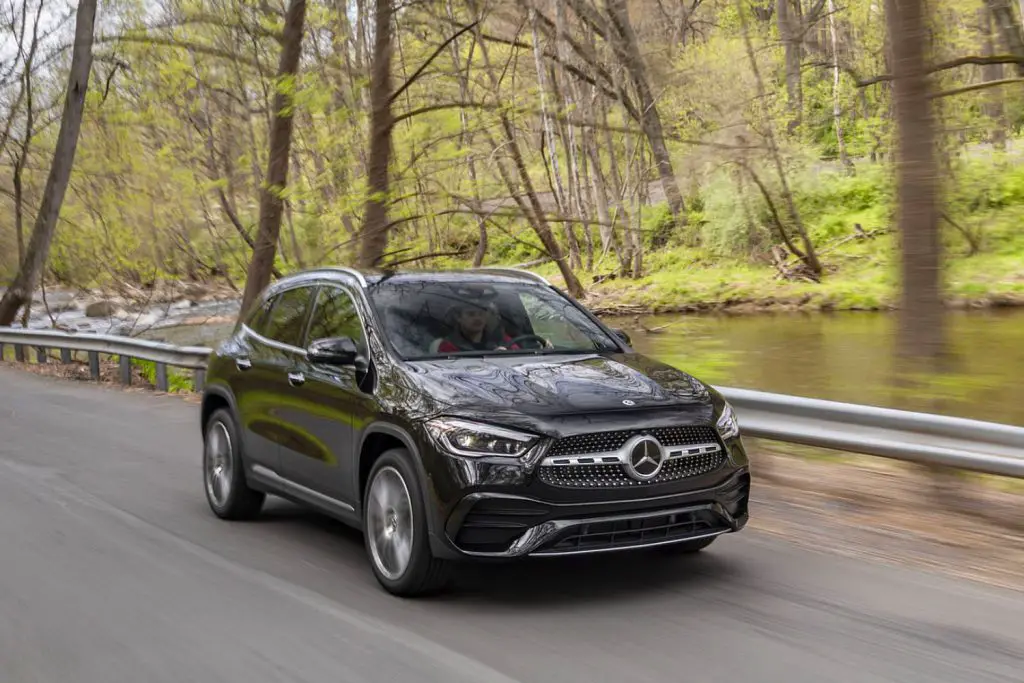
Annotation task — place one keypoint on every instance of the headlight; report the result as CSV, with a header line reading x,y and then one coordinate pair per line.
x,y
477,440
728,427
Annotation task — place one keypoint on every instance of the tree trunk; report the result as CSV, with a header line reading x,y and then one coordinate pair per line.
x,y
1010,28
374,234
650,119
994,106
789,32
31,267
921,320
262,264
534,212
837,110
810,256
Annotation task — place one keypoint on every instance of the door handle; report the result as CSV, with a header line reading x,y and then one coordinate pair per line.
x,y
243,363
296,379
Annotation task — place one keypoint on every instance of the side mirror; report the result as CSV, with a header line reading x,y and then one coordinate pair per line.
x,y
621,334
333,351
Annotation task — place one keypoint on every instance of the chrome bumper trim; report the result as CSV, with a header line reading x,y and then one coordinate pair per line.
x,y
621,456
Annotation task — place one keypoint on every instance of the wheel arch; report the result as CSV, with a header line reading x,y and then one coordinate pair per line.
x,y
383,436
214,397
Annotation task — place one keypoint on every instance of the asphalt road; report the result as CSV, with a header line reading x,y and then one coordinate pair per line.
x,y
112,569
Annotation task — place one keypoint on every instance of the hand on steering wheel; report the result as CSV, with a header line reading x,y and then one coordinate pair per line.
x,y
542,342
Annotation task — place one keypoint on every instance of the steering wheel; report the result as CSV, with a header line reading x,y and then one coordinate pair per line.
x,y
541,341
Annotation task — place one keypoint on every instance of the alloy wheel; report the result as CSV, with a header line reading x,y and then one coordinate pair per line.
x,y
218,461
389,523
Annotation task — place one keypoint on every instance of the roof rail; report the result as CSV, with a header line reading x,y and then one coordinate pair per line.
x,y
515,271
349,271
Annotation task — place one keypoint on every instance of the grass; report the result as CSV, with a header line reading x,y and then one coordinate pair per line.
x,y
178,381
731,269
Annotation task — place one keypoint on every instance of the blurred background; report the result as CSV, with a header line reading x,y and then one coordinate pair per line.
x,y
772,194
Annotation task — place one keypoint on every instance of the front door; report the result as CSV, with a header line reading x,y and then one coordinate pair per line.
x,y
327,398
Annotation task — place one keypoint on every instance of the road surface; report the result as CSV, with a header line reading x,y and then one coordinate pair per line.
x,y
113,569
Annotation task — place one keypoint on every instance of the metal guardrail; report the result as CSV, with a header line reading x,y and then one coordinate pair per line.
x,y
973,445
126,348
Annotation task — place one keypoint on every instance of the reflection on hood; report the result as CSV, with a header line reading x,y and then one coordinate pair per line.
x,y
559,384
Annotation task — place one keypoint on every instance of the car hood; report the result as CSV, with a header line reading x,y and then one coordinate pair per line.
x,y
551,385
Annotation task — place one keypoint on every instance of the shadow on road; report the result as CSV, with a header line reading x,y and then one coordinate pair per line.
x,y
535,581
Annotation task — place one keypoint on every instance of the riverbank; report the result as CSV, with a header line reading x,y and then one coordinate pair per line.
x,y
861,277
861,274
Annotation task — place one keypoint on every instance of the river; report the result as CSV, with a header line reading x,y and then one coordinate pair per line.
x,y
840,356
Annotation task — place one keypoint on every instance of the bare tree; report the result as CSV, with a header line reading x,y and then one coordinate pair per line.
x,y
837,110
271,202
921,329
628,50
374,235
790,31
31,267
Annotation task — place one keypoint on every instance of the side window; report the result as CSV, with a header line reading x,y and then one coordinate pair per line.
x,y
257,320
335,315
288,316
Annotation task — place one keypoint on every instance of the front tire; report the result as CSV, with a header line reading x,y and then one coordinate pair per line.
x,y
227,491
395,529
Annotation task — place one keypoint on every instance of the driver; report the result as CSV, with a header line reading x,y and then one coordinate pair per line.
x,y
470,329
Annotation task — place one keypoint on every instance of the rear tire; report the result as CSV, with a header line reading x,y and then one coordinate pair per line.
x,y
687,547
395,529
227,490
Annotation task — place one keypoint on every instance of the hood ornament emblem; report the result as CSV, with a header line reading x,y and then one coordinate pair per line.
x,y
627,402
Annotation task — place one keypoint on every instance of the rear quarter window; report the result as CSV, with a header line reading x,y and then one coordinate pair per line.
x,y
287,317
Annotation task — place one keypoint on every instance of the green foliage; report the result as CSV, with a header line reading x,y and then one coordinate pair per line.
x,y
178,381
162,142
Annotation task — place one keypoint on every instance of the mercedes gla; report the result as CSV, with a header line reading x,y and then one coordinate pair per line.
x,y
470,415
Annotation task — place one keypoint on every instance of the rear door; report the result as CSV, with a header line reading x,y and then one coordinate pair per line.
x,y
328,401
274,351
249,382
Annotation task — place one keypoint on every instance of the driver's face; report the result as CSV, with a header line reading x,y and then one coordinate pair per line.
x,y
472,319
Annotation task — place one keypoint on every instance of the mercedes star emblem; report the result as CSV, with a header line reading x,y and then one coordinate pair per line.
x,y
645,458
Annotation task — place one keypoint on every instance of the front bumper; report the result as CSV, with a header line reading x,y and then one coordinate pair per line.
x,y
500,525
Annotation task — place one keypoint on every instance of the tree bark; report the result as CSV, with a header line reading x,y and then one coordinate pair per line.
x,y
1010,28
374,234
837,111
650,119
921,320
534,212
810,256
994,106
271,203
31,268
789,32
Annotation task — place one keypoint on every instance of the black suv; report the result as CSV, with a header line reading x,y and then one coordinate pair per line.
x,y
479,414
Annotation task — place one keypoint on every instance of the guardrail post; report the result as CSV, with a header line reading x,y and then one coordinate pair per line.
x,y
41,355
65,356
161,377
19,353
199,379
94,365
126,370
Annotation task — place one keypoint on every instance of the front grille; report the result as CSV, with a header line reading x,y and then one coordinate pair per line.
x,y
636,532
604,442
614,476
492,524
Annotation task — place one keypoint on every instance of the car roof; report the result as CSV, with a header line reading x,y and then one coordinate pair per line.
x,y
353,276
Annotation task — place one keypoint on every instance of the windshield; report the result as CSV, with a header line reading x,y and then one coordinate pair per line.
x,y
434,319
